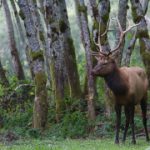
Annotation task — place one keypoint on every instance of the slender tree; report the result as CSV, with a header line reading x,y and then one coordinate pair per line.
x,y
22,35
142,31
57,63
42,33
21,30
14,52
3,78
129,50
122,16
40,102
69,52
81,11
131,46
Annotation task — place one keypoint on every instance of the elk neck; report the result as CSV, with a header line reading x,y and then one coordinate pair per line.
x,y
116,82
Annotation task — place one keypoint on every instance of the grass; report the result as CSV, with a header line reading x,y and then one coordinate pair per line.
x,y
98,144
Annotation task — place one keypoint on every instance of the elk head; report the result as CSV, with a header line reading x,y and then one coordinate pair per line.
x,y
105,65
106,61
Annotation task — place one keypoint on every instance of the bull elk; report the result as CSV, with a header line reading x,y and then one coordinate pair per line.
x,y
129,86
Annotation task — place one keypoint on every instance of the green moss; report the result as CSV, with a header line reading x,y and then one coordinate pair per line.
x,y
21,15
37,55
95,25
136,17
71,46
82,8
34,1
146,55
40,82
50,20
41,36
62,26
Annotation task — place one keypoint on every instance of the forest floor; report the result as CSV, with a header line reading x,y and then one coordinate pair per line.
x,y
78,144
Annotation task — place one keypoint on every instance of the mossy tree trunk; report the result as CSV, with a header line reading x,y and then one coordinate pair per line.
x,y
122,17
22,35
69,52
129,50
40,109
57,63
81,10
42,33
100,16
21,30
132,43
142,31
3,78
102,19
14,52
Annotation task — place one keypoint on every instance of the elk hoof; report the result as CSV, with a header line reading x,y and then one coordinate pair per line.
x,y
133,142
147,139
116,141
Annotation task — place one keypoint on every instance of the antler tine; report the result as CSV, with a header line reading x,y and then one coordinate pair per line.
x,y
106,28
129,28
94,53
122,34
99,39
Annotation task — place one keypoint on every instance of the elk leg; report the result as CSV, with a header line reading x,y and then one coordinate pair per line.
x,y
127,114
132,107
144,110
118,121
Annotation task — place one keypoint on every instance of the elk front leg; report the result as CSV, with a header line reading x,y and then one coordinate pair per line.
x,y
118,121
127,114
132,107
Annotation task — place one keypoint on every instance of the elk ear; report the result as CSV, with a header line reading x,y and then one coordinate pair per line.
x,y
114,55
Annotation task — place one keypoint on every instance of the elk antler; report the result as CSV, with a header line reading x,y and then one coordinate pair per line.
x,y
99,39
122,34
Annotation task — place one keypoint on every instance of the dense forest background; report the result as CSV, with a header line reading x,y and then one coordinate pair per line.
x,y
45,63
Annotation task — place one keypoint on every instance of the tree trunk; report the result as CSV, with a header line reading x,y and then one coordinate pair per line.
x,y
3,79
21,30
42,34
138,17
69,52
144,5
81,10
103,18
100,17
57,63
22,35
129,50
14,52
40,110
122,16
134,38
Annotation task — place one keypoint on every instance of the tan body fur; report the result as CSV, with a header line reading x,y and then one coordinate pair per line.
x,y
137,82
129,86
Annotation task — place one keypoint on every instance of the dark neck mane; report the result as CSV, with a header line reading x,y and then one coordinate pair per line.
x,y
116,83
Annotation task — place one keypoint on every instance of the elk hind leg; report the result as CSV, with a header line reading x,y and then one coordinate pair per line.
x,y
132,107
144,111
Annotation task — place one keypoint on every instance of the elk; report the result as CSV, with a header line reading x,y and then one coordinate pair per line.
x,y
129,86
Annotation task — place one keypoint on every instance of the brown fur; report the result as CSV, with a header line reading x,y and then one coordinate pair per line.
x,y
134,79
129,86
